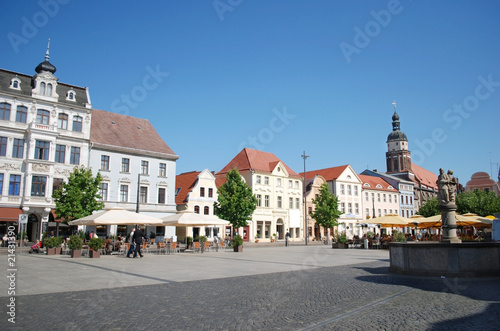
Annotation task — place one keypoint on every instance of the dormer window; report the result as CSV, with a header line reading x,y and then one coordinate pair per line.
x,y
42,88
15,83
49,90
70,96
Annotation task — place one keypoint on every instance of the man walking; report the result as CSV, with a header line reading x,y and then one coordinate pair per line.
x,y
138,235
131,242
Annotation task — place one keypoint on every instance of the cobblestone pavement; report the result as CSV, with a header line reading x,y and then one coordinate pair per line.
x,y
361,296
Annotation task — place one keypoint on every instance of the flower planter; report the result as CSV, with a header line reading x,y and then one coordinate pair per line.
x,y
76,253
51,251
95,254
339,245
238,249
58,250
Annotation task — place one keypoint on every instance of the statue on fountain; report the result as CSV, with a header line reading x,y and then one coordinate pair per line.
x,y
447,185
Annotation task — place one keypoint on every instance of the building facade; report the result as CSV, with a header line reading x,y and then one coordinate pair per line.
x,y
379,197
278,190
483,182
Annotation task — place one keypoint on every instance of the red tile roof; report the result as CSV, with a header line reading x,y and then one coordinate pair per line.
x,y
329,173
424,176
185,182
374,181
127,133
254,160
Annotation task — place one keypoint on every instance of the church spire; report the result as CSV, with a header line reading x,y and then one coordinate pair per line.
x,y
46,65
47,57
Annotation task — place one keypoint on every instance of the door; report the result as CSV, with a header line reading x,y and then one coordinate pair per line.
x,y
246,233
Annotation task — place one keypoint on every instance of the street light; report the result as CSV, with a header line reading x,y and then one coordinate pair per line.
x,y
306,230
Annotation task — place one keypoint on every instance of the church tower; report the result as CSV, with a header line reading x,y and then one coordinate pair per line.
x,y
398,157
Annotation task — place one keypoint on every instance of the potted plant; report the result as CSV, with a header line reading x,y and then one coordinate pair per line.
x,y
59,241
257,237
340,241
95,244
274,237
75,243
189,242
202,240
238,243
50,245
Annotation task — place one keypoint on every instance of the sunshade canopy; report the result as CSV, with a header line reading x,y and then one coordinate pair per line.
x,y
390,220
118,216
188,218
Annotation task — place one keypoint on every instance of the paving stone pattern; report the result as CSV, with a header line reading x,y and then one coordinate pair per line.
x,y
348,297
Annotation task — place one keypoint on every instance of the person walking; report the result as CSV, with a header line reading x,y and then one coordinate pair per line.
x,y
287,237
131,242
138,235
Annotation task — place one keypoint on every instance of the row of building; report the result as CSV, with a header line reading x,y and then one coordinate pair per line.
x,y
48,127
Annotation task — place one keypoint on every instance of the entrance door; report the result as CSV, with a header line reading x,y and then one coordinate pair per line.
x,y
279,231
33,228
246,233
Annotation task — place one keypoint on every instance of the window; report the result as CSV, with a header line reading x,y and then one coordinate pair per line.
x,y
378,197
384,197
57,184
49,90
349,208
290,203
411,200
1,184
144,167
70,95
257,180
125,165
104,191
161,195
202,191
3,146
77,123
38,184
366,196
379,213
390,198
206,210
259,200
75,155
342,207
290,183
42,150
18,148
210,192
349,190
367,212
196,209
21,114
297,203
266,201
62,121
143,194
342,191
42,116
60,153
104,162
42,88
278,182
15,83
4,111
385,211
162,170
266,180
123,193
356,208
355,190
279,202
296,184
14,184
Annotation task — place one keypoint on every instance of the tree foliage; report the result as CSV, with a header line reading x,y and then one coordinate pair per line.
x,y
79,197
326,211
236,202
430,208
478,202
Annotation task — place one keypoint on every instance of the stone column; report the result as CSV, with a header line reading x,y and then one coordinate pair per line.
x,y
449,224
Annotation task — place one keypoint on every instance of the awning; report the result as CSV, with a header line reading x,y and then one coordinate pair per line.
x,y
9,214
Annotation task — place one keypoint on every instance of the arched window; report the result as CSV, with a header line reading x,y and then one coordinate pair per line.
x,y
42,88
196,209
21,114
15,83
49,90
62,121
4,111
42,116
206,210
77,123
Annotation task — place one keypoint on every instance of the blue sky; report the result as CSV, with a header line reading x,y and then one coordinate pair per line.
x,y
281,76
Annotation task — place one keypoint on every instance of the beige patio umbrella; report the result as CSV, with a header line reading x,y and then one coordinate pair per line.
x,y
188,218
117,216
461,220
390,221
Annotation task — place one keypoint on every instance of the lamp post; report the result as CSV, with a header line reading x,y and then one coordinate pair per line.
x,y
306,230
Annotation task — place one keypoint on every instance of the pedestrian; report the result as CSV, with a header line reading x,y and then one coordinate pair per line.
x,y
131,242
91,235
138,235
287,237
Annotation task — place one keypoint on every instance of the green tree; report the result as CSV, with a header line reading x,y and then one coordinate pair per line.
x,y
79,197
327,211
236,202
478,202
430,208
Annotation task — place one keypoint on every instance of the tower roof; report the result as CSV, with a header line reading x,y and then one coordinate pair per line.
x,y
396,134
46,65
